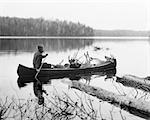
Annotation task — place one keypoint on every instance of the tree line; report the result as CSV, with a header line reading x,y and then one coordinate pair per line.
x,y
13,26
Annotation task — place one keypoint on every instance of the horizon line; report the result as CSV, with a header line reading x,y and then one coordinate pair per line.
x,y
74,37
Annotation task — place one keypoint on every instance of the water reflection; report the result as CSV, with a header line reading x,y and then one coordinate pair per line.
x,y
28,45
38,86
128,53
23,81
88,77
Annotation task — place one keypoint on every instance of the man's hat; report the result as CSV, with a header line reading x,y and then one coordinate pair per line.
x,y
40,46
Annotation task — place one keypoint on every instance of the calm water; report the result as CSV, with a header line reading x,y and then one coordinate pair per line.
x,y
132,56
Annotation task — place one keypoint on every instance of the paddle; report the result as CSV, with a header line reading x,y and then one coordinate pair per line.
x,y
39,70
37,75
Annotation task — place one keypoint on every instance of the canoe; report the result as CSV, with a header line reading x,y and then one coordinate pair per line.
x,y
23,81
55,73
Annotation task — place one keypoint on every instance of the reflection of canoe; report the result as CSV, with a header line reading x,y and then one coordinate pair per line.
x,y
29,73
22,81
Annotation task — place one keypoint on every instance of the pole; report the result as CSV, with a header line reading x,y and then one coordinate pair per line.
x,y
39,70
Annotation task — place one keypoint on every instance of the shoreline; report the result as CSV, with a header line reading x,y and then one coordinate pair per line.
x,y
73,37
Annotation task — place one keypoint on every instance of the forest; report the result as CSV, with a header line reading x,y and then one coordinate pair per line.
x,y
13,26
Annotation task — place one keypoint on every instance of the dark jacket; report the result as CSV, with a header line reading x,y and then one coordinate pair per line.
x,y
37,59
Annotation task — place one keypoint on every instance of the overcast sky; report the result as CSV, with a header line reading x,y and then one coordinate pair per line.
x,y
99,14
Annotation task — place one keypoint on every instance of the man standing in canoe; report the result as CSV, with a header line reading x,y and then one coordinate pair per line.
x,y
37,64
37,60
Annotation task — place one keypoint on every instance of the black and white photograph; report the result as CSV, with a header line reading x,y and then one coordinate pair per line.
x,y
74,60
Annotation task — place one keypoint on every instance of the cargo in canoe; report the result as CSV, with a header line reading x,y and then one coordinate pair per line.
x,y
48,73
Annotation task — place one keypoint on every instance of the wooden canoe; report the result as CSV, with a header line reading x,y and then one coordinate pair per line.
x,y
55,73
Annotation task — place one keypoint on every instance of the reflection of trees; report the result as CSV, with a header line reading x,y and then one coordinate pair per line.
x,y
50,45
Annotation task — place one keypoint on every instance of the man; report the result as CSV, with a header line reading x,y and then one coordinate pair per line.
x,y
37,85
37,60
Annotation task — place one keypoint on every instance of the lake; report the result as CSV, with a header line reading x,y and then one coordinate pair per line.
x,y
133,56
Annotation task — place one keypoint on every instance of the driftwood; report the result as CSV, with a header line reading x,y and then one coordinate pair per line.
x,y
136,107
136,82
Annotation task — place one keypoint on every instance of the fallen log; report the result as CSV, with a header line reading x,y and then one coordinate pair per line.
x,y
134,81
136,107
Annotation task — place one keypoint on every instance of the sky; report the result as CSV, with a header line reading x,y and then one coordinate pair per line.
x,y
98,14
